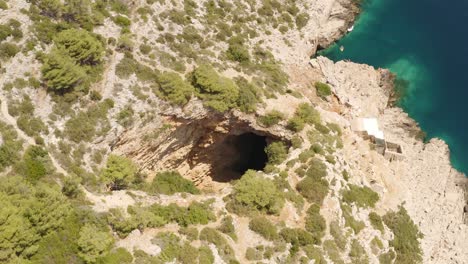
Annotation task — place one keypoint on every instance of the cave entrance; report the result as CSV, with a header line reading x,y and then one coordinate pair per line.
x,y
238,153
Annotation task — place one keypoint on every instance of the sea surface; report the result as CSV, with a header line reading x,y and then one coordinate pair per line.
x,y
425,42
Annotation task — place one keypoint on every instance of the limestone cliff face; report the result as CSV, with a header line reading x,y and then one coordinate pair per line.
x,y
432,191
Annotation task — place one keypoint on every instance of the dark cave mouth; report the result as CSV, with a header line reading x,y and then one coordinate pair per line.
x,y
239,154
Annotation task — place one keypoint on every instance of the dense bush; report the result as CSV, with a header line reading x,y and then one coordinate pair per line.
x,y
84,126
238,52
264,227
301,20
219,93
93,243
361,196
338,235
276,152
213,236
406,236
171,182
10,147
60,72
173,88
314,187
80,45
323,90
315,223
354,224
69,64
119,173
28,214
253,193
357,253
305,114
8,50
227,227
248,95
34,165
376,221
271,118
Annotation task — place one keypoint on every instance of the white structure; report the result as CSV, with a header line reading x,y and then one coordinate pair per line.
x,y
368,128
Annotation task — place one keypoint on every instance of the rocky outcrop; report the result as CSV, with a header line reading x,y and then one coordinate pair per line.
x,y
431,190
202,147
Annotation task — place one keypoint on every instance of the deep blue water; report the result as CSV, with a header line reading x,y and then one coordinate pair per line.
x,y
426,43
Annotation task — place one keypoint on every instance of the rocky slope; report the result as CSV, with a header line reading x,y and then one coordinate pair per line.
x,y
203,145
433,192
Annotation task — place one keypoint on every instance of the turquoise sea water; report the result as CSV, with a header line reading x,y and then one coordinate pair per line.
x,y
424,42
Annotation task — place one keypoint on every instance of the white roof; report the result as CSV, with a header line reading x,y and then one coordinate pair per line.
x,y
369,125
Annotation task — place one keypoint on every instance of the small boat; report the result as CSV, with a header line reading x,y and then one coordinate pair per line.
x,y
341,48
351,28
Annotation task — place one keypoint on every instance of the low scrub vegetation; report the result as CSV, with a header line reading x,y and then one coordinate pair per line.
x,y
170,182
323,90
407,235
361,196
253,193
264,227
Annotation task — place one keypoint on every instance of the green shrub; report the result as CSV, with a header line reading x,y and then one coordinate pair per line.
x,y
227,227
271,118
60,72
338,235
212,236
264,227
119,173
314,187
298,237
190,232
93,243
80,45
171,182
323,90
315,223
276,152
307,113
330,247
8,50
361,196
301,20
34,164
355,225
3,5
253,193
84,126
174,89
238,52
389,257
376,221
219,93
195,213
295,124
317,148
145,49
118,255
406,236
315,253
205,255
122,21
11,147
357,253
296,142
248,95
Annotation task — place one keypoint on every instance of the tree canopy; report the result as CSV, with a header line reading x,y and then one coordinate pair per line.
x,y
119,172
